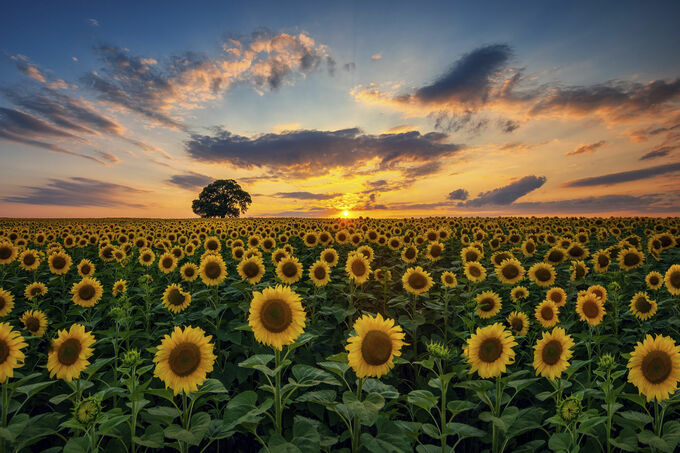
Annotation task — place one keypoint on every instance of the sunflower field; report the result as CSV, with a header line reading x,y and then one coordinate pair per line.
x,y
308,335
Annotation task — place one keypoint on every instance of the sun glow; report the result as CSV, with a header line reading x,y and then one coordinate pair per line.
x,y
345,213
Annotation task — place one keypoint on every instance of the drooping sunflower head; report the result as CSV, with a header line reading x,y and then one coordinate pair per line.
x,y
213,270
276,316
557,295
570,409
184,358
474,271
642,306
34,290
542,274
70,352
449,279
35,321
383,275
87,411
11,357
555,256
372,350
490,350
510,271
579,270
552,353
577,251
672,279
174,299
120,287
528,247
289,270
416,280
590,308
547,313
320,273
251,269
601,261
488,304
519,292
518,323
654,367
87,292
358,268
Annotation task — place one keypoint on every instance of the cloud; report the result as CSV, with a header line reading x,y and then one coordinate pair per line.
x,y
508,126
647,203
507,194
349,67
586,149
455,122
659,151
306,195
190,181
79,191
27,68
376,57
313,152
459,194
624,176
93,22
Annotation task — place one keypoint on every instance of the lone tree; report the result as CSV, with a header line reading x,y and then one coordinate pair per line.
x,y
222,198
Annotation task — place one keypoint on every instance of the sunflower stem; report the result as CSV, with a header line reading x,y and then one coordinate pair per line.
x,y
496,413
5,403
185,422
356,425
277,390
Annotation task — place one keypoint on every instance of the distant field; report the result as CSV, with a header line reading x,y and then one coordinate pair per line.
x,y
433,334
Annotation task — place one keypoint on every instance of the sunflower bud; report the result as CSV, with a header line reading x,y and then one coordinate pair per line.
x,y
87,410
570,409
606,363
131,358
439,351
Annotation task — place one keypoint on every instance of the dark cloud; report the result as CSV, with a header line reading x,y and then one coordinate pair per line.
x,y
507,194
349,67
305,152
79,192
190,181
454,122
648,203
459,194
508,126
306,195
659,151
27,68
587,149
422,170
470,79
331,65
624,176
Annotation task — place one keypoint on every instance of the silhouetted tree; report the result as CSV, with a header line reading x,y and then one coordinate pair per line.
x,y
222,198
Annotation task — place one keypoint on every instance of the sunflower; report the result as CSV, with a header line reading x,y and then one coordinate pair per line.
x,y
184,358
542,274
238,252
29,260
519,292
35,289
8,253
557,295
555,256
11,357
601,261
552,353
409,254
167,263
547,313
289,270
87,292
320,273
471,253
119,287
528,247
69,353
642,306
510,271
489,350
372,350
383,275
189,272
357,268
474,271
251,269
435,251
330,256
599,290
85,268
212,244
488,304
579,270
449,279
672,279
35,321
630,259
174,299
519,323
212,270
367,251
590,308
654,280
416,280
276,316
654,367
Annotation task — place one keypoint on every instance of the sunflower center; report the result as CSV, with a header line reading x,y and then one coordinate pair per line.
x,y
212,270
487,304
86,292
211,245
184,359
656,366
556,297
555,256
470,256
530,247
4,351
474,271
603,260
69,351
517,324
85,269
417,280
175,297
376,348
328,257
543,275
167,262
576,252
32,324
58,262
239,254
435,251
358,268
29,260
591,309
289,269
251,269
319,273
642,305
654,280
36,291
510,271
276,315
410,253
580,271
552,351
547,313
448,279
675,279
2,302
5,252
490,350
631,259
189,271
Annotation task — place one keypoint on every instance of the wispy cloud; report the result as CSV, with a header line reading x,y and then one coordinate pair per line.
x,y
625,176
587,149
659,151
506,195
190,181
306,195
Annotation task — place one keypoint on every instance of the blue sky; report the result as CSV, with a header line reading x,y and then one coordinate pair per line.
x,y
369,64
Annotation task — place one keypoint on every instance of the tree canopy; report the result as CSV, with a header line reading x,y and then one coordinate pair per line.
x,y
222,198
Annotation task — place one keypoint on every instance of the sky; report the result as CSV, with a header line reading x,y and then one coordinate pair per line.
x,y
380,109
